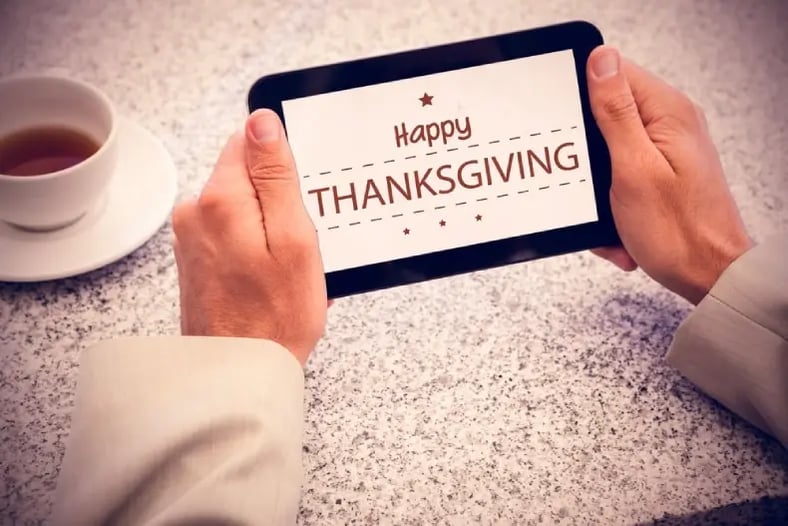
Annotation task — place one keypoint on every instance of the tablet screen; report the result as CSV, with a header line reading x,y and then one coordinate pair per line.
x,y
414,166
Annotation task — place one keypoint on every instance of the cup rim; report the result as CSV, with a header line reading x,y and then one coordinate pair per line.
x,y
104,145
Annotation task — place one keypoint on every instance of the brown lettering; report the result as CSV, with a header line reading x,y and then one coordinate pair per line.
x,y
487,170
447,130
351,196
475,175
401,135
371,191
422,183
533,157
452,183
504,176
319,193
417,134
572,157
433,133
466,130
520,164
392,183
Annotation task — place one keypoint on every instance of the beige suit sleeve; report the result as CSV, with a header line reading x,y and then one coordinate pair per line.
x,y
734,346
179,430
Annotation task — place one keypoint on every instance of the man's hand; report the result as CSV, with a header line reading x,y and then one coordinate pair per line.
x,y
246,249
671,204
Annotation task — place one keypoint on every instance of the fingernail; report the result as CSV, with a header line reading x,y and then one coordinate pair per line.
x,y
264,125
605,63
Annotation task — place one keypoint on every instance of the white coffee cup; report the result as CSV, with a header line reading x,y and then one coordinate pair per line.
x,y
57,199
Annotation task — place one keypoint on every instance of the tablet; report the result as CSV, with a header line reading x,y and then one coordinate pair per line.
x,y
448,159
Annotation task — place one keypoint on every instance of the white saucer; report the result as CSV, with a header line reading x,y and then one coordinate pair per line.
x,y
137,203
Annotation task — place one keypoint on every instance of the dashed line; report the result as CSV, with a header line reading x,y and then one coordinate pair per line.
x,y
461,203
582,181
306,176
409,157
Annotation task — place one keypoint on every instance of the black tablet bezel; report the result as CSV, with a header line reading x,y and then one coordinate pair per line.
x,y
581,37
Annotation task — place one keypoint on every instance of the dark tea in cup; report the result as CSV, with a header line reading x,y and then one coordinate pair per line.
x,y
45,149
58,150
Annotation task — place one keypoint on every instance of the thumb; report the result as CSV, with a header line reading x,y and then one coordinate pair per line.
x,y
273,174
613,103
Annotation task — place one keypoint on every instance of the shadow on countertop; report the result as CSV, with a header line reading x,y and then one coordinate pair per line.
x,y
766,511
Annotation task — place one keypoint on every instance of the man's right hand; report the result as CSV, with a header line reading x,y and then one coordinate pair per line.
x,y
672,207
247,252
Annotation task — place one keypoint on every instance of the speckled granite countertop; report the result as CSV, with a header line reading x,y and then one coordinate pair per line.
x,y
532,394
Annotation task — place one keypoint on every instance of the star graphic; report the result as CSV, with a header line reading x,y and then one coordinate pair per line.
x,y
406,231
478,217
426,100
442,223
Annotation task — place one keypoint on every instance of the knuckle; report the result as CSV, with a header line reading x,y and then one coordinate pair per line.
x,y
684,104
213,203
687,113
620,107
266,169
182,217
